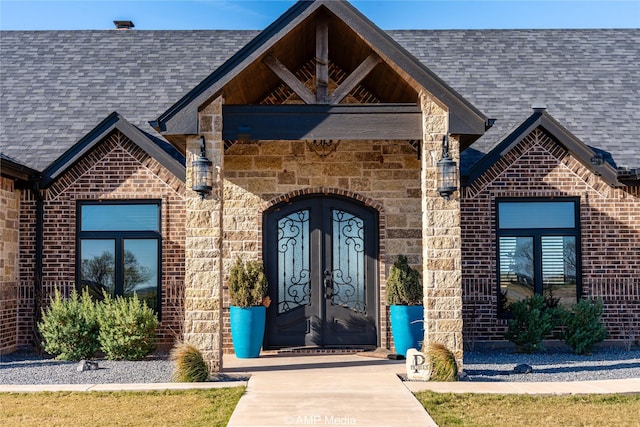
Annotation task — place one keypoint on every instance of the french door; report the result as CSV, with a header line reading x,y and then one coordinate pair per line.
x,y
321,262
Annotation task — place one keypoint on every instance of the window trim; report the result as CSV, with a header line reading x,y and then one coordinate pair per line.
x,y
537,234
119,237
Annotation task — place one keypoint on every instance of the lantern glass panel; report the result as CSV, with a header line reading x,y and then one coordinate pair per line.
x,y
202,175
447,176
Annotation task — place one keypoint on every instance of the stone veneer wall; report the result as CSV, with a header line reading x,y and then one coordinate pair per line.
x,y
203,274
383,174
9,208
610,232
116,169
441,237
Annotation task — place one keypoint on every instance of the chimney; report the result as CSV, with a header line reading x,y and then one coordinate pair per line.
x,y
123,25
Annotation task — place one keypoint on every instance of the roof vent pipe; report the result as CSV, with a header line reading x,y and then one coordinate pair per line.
x,y
123,25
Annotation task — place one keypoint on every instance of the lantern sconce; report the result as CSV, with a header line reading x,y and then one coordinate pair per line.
x,y
202,174
447,171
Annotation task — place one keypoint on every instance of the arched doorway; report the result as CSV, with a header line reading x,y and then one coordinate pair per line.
x,y
321,257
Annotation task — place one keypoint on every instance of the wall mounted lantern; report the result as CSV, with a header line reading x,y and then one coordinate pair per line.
x,y
447,171
202,173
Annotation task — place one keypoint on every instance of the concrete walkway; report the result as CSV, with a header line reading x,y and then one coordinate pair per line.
x,y
324,390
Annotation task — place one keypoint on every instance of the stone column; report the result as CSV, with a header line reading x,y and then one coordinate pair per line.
x,y
203,247
441,241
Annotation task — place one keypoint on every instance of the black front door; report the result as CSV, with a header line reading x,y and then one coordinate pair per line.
x,y
321,262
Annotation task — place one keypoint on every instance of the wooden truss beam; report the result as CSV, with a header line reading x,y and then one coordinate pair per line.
x,y
289,79
309,122
354,78
322,59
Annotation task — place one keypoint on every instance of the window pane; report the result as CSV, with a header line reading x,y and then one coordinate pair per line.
x,y
125,217
559,268
536,214
97,267
516,270
140,270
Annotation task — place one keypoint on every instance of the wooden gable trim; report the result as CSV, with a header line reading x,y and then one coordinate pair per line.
x,y
542,119
97,134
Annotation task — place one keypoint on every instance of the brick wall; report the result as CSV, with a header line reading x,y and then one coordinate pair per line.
x,y
610,234
9,207
115,170
383,174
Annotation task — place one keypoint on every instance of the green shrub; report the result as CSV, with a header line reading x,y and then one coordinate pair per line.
x,y
69,327
248,285
583,328
127,328
443,363
190,366
532,321
403,284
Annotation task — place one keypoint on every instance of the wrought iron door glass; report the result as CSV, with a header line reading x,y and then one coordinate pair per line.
x,y
294,288
348,261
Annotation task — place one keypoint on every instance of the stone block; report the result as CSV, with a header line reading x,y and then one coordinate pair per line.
x,y
206,304
214,107
440,264
202,341
341,169
243,163
446,325
206,123
272,163
286,178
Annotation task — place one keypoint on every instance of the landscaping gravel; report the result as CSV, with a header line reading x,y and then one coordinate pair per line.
x,y
605,363
27,368
491,365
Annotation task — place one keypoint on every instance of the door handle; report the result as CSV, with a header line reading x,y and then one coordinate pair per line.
x,y
328,285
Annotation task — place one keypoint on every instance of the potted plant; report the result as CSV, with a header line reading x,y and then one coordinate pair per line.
x,y
404,295
248,294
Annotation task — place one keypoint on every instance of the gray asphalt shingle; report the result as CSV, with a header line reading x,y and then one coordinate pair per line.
x,y
55,86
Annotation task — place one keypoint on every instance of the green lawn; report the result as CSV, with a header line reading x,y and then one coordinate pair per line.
x,y
211,407
467,409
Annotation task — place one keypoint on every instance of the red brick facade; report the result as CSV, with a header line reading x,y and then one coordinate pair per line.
x,y
9,207
116,169
609,224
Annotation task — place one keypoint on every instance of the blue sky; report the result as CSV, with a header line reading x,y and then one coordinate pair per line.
x,y
238,14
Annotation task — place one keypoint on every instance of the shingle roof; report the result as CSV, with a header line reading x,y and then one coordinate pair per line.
x,y
55,86
58,85
589,80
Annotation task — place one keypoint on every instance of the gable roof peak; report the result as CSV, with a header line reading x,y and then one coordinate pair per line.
x,y
181,118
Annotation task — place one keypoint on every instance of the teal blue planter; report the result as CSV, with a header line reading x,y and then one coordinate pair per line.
x,y
406,334
247,330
